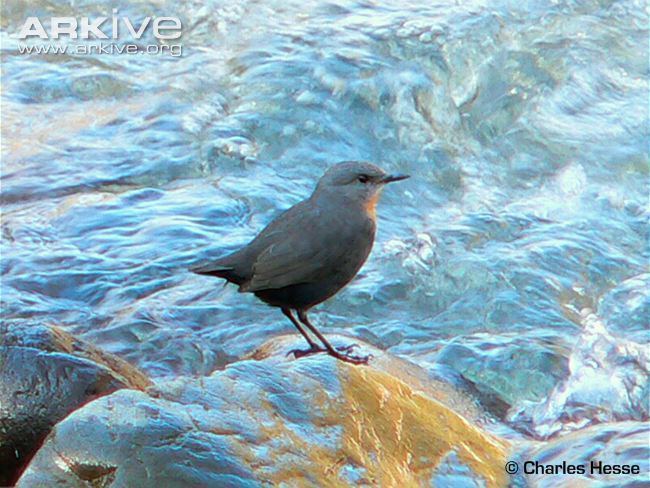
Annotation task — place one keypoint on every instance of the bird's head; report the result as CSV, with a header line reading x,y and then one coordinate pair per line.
x,y
357,181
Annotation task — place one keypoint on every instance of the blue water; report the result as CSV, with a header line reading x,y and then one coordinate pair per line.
x,y
517,254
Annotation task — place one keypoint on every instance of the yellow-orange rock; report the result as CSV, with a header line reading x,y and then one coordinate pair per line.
x,y
272,419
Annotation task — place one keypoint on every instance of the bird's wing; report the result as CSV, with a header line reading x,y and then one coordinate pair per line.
x,y
297,249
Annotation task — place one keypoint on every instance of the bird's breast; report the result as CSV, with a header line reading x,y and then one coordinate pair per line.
x,y
371,206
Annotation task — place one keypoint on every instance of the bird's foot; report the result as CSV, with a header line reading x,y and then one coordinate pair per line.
x,y
350,358
347,349
298,353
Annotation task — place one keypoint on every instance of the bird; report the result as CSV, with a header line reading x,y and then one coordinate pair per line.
x,y
312,250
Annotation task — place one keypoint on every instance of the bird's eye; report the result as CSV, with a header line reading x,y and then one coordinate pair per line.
x,y
363,178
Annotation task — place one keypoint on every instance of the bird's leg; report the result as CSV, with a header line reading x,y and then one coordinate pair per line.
x,y
302,315
314,348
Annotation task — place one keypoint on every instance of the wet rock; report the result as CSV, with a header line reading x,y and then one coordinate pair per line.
x,y
272,419
624,443
45,373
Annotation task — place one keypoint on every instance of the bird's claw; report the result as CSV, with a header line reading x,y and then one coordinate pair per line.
x,y
299,353
349,358
347,348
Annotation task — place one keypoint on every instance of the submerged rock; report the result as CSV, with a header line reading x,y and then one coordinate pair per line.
x,y
271,419
45,373
608,382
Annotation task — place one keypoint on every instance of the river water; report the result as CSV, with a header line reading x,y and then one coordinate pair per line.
x,y
516,255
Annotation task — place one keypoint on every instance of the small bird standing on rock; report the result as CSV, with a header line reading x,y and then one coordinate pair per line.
x,y
312,250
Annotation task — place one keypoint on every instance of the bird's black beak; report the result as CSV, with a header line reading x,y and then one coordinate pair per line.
x,y
391,178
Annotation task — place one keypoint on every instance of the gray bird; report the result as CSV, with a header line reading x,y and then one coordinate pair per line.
x,y
312,250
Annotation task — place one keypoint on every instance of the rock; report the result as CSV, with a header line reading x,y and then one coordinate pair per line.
x,y
273,420
45,373
622,443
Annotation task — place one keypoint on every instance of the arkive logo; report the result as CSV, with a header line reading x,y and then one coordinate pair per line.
x,y
163,28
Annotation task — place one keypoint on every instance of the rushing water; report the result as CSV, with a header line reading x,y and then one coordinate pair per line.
x,y
517,254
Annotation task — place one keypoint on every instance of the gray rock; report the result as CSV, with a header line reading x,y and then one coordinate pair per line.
x,y
271,420
45,374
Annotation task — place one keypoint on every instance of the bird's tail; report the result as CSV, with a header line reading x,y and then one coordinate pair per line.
x,y
220,271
